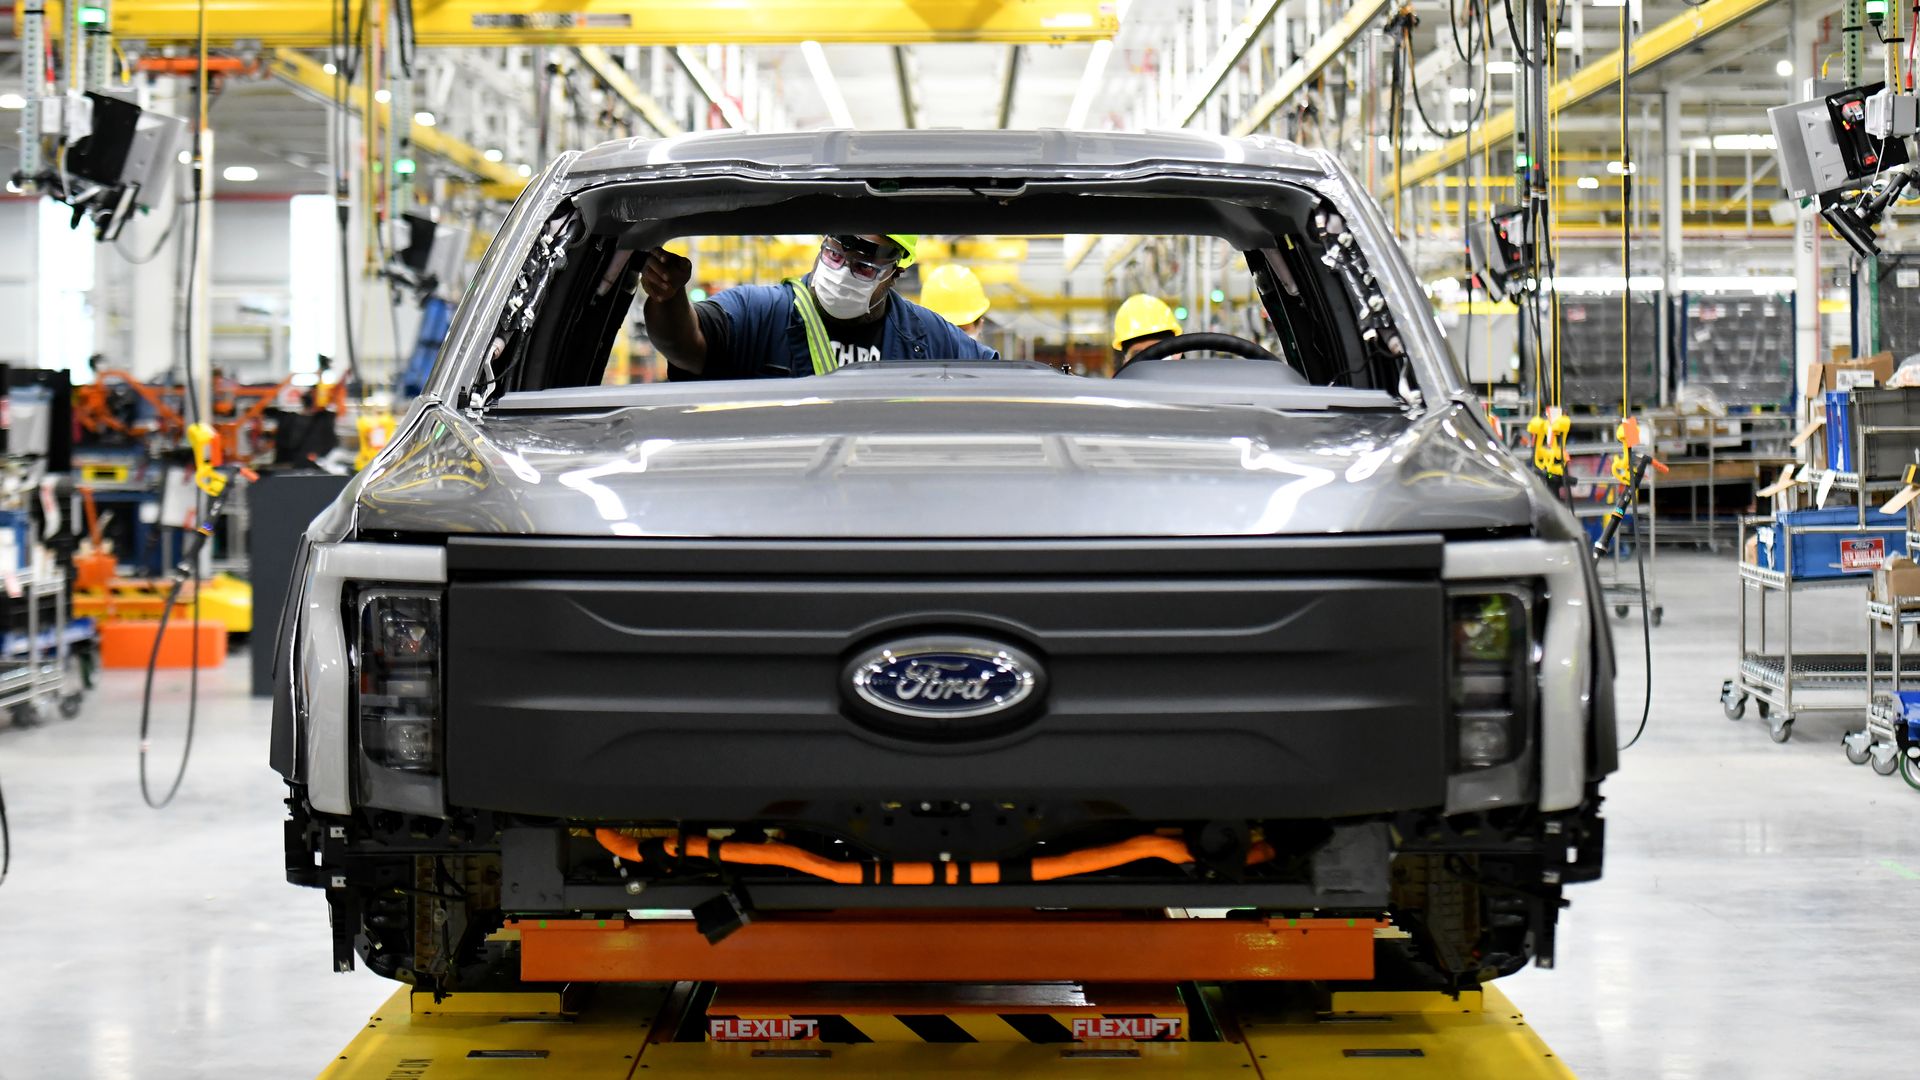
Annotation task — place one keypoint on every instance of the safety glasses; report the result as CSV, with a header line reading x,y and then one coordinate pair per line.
x,y
836,254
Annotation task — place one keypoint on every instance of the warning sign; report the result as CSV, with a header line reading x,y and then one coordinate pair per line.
x,y
1864,554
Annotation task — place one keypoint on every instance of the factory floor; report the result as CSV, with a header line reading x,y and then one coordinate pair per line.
x,y
1753,921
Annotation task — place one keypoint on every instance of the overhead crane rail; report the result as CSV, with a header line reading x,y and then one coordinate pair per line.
x,y
495,23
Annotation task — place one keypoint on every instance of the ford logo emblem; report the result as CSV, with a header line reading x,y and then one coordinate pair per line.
x,y
926,684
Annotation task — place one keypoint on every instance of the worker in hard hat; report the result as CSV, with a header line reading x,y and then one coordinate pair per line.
x,y
1142,321
842,312
954,293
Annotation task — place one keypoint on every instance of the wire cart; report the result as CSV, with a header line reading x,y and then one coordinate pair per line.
x,y
1787,682
42,654
1886,741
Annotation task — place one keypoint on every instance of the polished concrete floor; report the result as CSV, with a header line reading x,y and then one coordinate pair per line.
x,y
1754,920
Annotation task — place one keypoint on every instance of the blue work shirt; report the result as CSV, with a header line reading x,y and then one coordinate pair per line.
x,y
763,337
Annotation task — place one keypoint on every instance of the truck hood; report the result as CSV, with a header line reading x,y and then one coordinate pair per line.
x,y
942,468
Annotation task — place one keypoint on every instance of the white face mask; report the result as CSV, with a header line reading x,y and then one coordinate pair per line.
x,y
842,295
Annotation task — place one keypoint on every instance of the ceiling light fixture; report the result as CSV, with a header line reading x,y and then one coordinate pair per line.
x,y
495,155
12,101
1588,183
383,95
1784,69
425,119
240,174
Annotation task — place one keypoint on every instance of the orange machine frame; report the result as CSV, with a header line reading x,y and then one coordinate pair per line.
x,y
949,947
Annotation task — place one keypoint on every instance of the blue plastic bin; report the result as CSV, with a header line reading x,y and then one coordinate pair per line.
x,y
1910,712
1839,433
1832,554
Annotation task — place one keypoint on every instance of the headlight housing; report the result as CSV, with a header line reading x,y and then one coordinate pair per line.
x,y
1491,669
398,667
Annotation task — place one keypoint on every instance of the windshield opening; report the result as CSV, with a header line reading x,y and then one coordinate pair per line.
x,y
633,283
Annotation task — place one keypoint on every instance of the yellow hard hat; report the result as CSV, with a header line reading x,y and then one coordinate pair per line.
x,y
953,293
909,243
1141,315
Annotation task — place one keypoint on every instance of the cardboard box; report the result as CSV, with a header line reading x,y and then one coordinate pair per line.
x,y
1839,374
1897,578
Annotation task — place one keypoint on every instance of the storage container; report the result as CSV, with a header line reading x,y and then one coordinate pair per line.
x,y
1832,554
1880,412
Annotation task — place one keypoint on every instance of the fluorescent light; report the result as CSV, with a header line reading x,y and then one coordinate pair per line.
x,y
1384,143
1090,82
12,101
526,170
383,95
1759,283
1745,142
1460,95
1609,3
329,68
1563,39
240,174
425,119
1502,67
816,58
184,157
1784,69
1588,183
1619,168
495,155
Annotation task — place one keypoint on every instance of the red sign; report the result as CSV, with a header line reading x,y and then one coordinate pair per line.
x,y
1156,1028
1866,553
734,1029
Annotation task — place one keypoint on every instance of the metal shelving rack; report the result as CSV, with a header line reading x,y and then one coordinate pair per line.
x,y
35,675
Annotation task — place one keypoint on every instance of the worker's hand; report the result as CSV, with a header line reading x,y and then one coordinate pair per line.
x,y
666,275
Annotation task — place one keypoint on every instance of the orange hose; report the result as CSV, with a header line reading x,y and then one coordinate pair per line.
x,y
1044,868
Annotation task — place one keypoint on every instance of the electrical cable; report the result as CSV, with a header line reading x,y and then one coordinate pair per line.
x,y
1632,494
191,549
166,234
6,840
1646,617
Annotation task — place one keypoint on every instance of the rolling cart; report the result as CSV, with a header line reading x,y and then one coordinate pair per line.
x,y
1787,682
41,652
1882,741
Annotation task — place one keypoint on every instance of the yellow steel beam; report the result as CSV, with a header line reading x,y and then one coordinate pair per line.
x,y
1077,252
1330,44
1677,34
492,23
306,73
609,71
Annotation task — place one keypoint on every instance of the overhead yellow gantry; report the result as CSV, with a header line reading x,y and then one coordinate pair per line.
x,y
1678,34
496,23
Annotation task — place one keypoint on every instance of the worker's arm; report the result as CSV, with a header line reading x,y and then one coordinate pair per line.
x,y
671,324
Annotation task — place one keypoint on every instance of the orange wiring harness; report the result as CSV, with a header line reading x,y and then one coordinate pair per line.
x,y
1044,868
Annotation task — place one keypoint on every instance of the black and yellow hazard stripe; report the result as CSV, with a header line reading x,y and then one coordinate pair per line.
x,y
958,1026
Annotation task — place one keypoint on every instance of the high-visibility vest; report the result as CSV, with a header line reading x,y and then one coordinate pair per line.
x,y
819,346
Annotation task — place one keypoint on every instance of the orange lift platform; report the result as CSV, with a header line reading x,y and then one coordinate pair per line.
x,y
911,994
